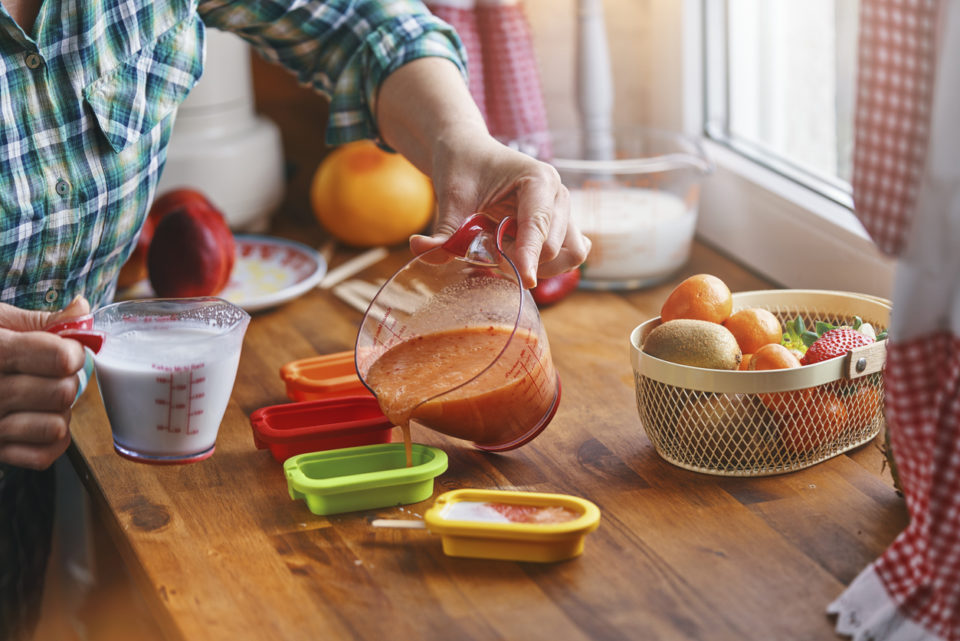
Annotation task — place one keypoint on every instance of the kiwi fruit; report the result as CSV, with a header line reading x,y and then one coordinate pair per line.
x,y
696,343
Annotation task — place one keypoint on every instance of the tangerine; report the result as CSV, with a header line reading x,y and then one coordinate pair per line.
x,y
753,328
365,196
700,297
773,356
863,406
820,422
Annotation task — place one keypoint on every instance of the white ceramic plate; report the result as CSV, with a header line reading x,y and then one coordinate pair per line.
x,y
268,271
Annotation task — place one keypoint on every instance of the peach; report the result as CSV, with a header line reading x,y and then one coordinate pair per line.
x,y
192,251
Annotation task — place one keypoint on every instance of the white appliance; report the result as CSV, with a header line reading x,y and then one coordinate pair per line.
x,y
221,147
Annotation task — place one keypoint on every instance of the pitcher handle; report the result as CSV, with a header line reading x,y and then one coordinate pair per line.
x,y
472,240
80,329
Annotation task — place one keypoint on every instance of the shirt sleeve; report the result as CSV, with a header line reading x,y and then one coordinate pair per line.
x,y
343,49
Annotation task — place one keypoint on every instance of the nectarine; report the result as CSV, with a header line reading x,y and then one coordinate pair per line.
x,y
192,251
135,268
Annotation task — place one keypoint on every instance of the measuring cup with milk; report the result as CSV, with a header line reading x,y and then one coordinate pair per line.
x,y
165,372
453,342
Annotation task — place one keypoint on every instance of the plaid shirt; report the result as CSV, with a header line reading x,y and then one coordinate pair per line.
x,y
87,108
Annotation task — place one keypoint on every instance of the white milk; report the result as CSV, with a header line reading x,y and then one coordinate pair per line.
x,y
638,235
165,389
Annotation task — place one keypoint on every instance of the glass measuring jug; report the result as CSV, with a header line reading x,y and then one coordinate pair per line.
x,y
453,342
165,372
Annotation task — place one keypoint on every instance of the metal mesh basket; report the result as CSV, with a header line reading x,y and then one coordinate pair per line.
x,y
757,423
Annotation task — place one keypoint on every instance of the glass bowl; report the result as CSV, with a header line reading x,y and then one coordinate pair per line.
x,y
635,194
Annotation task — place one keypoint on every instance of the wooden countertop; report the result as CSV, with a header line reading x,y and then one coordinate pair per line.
x,y
219,551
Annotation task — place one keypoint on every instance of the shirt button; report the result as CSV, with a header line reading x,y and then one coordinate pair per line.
x,y
51,296
63,187
33,60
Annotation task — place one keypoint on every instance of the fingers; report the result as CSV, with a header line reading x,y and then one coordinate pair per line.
x,y
23,320
34,429
548,242
24,392
534,217
39,354
34,440
573,251
38,384
422,244
77,307
34,419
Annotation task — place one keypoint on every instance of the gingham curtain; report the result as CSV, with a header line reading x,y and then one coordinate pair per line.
x,y
907,194
501,63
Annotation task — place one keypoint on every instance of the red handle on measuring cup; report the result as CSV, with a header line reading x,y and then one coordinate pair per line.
x,y
79,329
459,243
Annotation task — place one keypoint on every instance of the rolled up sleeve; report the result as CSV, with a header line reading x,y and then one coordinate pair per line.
x,y
341,48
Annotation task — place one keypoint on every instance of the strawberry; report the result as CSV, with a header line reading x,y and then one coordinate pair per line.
x,y
833,343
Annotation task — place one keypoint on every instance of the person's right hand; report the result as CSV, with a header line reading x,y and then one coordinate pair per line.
x,y
38,384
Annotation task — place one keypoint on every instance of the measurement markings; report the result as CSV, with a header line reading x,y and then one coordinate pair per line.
x,y
192,396
177,389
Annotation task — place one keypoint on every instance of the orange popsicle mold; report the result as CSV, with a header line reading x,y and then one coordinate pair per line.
x,y
324,376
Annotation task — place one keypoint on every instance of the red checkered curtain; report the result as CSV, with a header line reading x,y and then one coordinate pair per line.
x,y
502,66
907,194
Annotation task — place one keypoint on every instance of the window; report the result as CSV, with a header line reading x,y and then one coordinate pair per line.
x,y
771,88
781,87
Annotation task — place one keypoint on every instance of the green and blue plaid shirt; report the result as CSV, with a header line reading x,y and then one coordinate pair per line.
x,y
88,100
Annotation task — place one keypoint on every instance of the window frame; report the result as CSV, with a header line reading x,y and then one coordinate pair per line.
x,y
770,223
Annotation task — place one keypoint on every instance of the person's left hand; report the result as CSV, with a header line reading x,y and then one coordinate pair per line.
x,y
38,384
476,173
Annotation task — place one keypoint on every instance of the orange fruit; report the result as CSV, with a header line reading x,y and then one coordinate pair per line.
x,y
863,406
366,197
818,424
745,362
701,297
773,356
753,328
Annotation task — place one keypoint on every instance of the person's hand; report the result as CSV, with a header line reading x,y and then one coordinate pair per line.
x,y
38,384
425,111
478,174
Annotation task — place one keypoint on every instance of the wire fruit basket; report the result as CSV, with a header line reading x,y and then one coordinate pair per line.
x,y
759,423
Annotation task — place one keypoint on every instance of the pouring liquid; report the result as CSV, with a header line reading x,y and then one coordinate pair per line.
x,y
499,406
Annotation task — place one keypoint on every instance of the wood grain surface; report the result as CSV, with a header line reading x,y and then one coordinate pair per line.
x,y
219,551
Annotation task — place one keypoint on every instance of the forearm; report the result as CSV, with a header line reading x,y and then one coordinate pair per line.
x,y
425,106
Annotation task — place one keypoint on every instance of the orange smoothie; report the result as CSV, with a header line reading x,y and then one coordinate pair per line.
x,y
501,405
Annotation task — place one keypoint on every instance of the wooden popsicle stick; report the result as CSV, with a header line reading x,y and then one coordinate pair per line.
x,y
395,297
351,297
353,266
327,249
409,524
